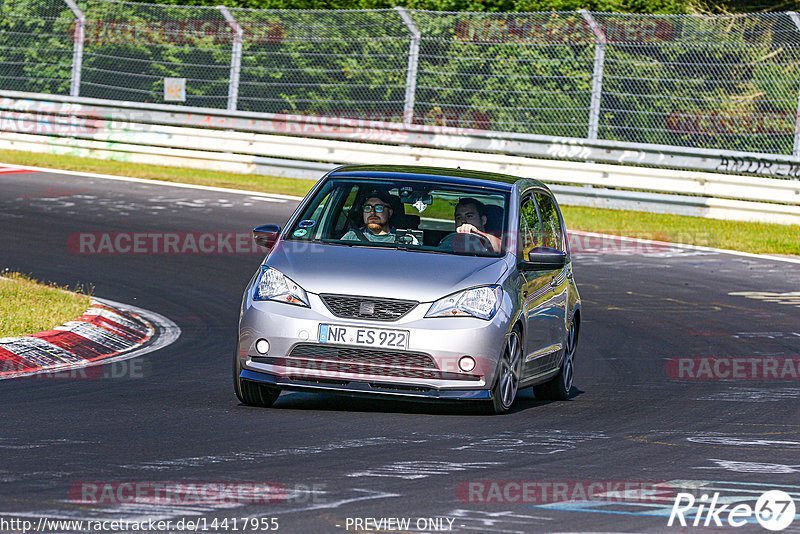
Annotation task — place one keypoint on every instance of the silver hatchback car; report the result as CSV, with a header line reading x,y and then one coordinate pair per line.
x,y
415,283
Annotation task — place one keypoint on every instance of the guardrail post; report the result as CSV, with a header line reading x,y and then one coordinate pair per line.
x,y
597,73
413,64
77,48
796,146
236,57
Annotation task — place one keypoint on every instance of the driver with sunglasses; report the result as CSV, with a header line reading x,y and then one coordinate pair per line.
x,y
376,212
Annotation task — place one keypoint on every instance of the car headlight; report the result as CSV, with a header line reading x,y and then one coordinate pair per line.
x,y
480,302
274,285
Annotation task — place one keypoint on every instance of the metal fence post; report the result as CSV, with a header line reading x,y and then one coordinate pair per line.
x,y
77,48
413,63
597,73
236,57
796,146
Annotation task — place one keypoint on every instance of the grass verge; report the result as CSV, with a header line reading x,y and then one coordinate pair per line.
x,y
759,238
28,306
249,182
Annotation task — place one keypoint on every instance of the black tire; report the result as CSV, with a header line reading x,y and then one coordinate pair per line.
x,y
506,386
252,393
558,387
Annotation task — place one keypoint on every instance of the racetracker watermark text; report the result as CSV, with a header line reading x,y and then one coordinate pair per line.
x,y
563,29
194,493
542,492
149,243
132,369
730,368
153,243
177,32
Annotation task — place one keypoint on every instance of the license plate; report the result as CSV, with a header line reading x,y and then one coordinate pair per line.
x,y
366,337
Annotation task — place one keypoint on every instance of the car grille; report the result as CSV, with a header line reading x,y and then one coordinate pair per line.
x,y
367,307
363,371
308,358
360,355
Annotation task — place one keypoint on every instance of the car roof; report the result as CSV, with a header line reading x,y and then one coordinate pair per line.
x,y
465,177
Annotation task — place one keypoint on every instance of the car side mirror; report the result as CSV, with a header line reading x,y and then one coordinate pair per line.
x,y
266,235
541,258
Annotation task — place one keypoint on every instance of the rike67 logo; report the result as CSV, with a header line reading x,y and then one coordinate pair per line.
x,y
774,510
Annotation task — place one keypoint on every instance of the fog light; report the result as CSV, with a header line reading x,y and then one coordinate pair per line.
x,y
466,363
262,346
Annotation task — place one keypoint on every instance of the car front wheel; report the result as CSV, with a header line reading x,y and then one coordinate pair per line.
x,y
506,385
252,393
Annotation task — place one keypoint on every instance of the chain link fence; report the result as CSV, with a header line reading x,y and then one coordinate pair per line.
x,y
722,82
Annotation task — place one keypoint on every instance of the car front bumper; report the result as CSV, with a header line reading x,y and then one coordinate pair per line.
x,y
293,363
361,389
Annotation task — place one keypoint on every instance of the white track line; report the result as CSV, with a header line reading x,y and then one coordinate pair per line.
x,y
688,247
157,182
290,197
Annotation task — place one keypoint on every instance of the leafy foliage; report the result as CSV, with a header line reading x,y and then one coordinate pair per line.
x,y
608,6
715,82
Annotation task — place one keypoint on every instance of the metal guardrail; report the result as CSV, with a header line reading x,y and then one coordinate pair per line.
x,y
92,109
299,147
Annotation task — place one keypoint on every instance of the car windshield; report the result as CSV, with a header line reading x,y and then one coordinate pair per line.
x,y
412,215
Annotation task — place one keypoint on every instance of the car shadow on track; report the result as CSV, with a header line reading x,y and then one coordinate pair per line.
x,y
526,401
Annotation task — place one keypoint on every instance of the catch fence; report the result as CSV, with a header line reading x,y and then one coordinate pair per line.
x,y
716,82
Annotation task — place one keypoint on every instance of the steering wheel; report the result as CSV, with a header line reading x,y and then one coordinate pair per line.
x,y
471,243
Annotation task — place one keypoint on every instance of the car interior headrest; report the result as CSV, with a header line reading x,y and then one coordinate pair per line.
x,y
494,219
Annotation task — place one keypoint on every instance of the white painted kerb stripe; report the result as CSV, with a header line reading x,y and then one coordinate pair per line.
x,y
168,332
688,247
274,196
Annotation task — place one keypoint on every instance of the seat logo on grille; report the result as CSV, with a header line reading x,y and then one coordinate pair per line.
x,y
366,308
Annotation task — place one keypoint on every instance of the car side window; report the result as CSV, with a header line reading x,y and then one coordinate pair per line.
x,y
316,216
325,216
551,225
342,223
528,227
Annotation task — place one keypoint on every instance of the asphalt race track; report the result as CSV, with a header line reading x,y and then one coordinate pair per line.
x,y
636,416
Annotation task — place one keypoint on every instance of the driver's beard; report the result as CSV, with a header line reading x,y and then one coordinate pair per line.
x,y
375,228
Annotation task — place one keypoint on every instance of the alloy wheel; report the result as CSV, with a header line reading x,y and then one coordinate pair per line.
x,y
567,369
509,374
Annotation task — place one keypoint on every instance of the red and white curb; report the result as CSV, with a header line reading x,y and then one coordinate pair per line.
x,y
14,170
108,331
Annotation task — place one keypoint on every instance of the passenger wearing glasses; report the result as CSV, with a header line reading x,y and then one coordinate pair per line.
x,y
376,212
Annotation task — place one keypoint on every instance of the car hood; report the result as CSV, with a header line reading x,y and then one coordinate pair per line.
x,y
381,272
